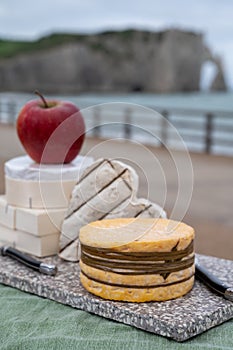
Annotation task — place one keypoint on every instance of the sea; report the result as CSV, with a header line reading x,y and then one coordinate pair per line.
x,y
109,114
217,101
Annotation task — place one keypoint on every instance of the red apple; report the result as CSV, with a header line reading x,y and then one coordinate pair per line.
x,y
52,132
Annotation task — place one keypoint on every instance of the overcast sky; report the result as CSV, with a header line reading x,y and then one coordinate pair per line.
x,y
27,19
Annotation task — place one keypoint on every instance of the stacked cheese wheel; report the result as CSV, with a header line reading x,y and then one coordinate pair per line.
x,y
36,200
137,260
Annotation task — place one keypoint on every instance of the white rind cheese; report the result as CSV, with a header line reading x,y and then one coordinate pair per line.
x,y
39,222
106,190
31,185
96,208
96,177
35,194
38,246
24,168
36,200
7,213
139,207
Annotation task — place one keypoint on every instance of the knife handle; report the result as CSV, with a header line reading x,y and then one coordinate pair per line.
x,y
29,261
213,282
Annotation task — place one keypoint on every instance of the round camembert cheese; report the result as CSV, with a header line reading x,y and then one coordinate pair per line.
x,y
36,186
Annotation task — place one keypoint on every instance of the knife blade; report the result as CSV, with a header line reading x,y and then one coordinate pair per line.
x,y
29,261
213,282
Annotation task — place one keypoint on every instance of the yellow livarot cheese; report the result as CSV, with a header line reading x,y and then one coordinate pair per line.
x,y
138,295
137,280
137,234
137,259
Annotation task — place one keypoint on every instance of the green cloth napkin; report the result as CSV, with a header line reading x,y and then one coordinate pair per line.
x,y
29,322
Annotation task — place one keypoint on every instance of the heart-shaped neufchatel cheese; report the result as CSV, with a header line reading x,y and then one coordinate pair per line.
x,y
106,190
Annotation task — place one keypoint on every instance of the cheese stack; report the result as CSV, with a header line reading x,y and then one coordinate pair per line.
x,y
137,259
36,200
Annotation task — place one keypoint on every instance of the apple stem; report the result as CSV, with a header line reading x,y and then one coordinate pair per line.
x,y
42,98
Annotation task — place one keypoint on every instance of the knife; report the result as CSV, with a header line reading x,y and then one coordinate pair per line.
x,y
27,260
213,282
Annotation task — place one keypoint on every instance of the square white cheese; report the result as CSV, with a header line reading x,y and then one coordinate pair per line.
x,y
7,213
39,222
7,236
38,246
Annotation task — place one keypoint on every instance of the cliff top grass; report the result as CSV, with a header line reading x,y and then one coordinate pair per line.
x,y
11,48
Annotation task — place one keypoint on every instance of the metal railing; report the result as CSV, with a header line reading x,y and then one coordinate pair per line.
x,y
203,131
8,111
212,129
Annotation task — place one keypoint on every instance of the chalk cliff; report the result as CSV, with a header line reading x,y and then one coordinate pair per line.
x,y
167,61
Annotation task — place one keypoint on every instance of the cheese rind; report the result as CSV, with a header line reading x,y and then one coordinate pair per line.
x,y
39,222
107,189
24,168
7,213
137,234
135,294
35,194
138,280
137,259
38,246
98,176
95,209
138,207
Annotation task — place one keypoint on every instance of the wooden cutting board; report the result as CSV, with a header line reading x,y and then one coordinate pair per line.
x,y
178,319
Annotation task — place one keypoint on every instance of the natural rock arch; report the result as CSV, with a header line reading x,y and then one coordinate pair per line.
x,y
212,74
207,75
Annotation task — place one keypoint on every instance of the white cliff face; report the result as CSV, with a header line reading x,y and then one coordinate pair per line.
x,y
167,61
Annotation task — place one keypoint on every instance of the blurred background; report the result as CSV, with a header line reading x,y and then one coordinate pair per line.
x,y
175,58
